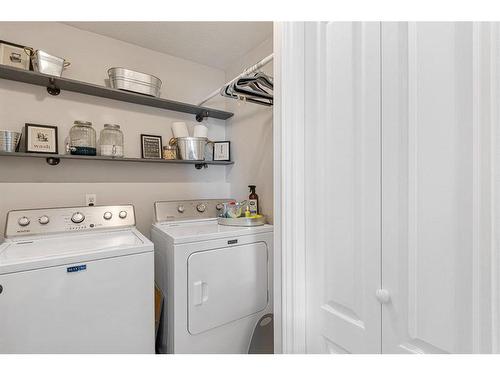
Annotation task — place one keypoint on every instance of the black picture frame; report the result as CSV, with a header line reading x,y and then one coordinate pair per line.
x,y
228,151
31,147
147,154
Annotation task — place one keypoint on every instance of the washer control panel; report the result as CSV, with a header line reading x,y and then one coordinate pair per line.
x,y
189,210
70,219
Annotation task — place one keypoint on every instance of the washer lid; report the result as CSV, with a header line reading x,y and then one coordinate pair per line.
x,y
194,231
47,251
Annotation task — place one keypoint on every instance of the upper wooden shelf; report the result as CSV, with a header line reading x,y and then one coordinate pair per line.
x,y
55,84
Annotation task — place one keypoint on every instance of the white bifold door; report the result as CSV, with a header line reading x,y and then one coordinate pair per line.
x,y
343,187
400,138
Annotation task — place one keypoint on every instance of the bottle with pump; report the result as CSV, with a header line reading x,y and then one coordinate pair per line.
x,y
253,201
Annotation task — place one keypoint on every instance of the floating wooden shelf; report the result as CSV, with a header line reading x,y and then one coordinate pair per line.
x,y
55,84
55,159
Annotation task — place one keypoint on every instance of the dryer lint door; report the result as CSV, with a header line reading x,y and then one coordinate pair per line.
x,y
226,284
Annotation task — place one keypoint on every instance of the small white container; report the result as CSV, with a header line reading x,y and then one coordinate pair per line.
x,y
179,130
200,131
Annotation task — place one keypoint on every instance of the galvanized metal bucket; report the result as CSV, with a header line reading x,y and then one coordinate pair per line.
x,y
191,148
9,140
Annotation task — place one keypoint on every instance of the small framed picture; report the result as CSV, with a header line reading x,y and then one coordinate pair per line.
x,y
40,139
12,54
222,151
151,146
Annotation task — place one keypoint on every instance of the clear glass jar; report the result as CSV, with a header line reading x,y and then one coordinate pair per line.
x,y
111,141
82,139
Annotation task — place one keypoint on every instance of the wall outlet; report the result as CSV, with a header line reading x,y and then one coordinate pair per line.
x,y
90,199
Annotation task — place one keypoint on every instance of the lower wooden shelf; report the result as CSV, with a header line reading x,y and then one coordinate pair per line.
x,y
55,159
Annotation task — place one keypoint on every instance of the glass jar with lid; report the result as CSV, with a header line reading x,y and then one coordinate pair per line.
x,y
82,139
111,141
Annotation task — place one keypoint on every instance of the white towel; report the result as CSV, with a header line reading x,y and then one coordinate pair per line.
x,y
179,129
200,131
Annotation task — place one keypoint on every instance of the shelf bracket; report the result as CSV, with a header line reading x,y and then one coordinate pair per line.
x,y
202,116
52,89
201,165
53,161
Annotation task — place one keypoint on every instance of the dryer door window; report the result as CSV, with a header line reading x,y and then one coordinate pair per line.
x,y
226,284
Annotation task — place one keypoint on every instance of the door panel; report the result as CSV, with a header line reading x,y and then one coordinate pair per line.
x,y
226,285
343,187
434,261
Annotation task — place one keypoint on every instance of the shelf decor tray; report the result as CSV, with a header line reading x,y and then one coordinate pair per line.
x,y
242,221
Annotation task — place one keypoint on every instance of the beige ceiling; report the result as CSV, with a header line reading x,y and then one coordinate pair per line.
x,y
216,44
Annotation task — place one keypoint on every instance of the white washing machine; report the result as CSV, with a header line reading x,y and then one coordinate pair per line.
x,y
76,280
217,279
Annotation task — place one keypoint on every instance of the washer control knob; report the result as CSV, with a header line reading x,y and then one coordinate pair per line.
x,y
23,221
219,206
180,208
43,219
201,207
77,217
122,214
107,215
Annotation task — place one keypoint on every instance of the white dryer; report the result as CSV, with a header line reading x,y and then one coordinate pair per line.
x,y
217,279
76,280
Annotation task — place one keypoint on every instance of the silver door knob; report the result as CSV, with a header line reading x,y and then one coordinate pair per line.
x,y
383,296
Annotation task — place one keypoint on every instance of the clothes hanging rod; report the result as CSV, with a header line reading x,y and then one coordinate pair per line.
x,y
252,69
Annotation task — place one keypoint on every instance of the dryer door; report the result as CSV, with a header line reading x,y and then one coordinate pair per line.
x,y
226,284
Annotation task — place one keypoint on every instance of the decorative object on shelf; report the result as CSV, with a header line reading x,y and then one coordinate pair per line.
x,y
131,80
190,148
151,146
82,139
46,63
179,129
40,139
169,152
9,141
111,141
200,131
222,151
13,55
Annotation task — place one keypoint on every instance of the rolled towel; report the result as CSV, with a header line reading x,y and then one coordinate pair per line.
x,y
179,129
200,131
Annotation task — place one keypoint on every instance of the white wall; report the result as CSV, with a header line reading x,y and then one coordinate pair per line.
x,y
26,183
251,134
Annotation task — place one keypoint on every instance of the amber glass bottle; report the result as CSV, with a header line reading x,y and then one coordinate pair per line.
x,y
253,200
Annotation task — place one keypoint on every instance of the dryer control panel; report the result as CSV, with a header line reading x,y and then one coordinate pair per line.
x,y
189,209
68,219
